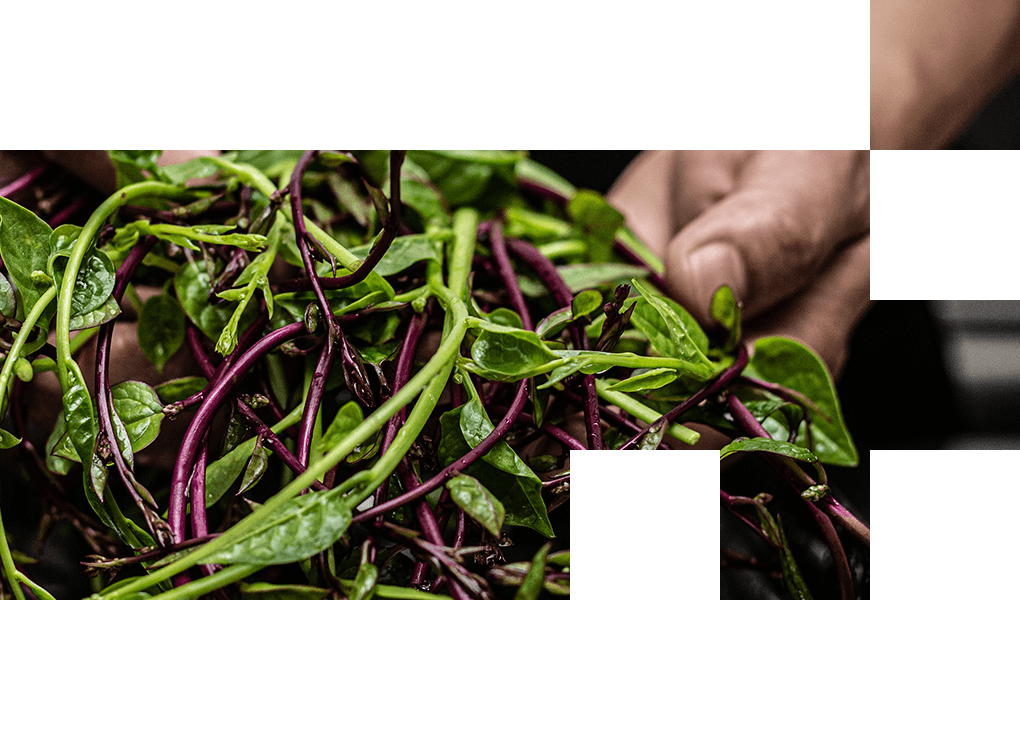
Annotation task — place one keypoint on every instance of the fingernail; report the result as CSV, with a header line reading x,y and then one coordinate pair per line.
x,y
714,265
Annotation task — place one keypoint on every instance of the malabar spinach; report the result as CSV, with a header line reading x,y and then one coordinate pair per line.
x,y
404,348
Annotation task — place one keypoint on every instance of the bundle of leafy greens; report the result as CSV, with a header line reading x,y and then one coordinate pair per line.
x,y
403,346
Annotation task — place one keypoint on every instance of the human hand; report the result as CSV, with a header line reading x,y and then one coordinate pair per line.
x,y
787,231
935,64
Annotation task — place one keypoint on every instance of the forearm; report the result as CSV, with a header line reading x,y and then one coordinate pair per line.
x,y
934,63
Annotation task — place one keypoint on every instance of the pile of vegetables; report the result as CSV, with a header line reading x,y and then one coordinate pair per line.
x,y
394,353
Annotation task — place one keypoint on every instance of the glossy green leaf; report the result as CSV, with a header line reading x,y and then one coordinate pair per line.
x,y
656,378
193,289
94,283
140,410
102,314
79,414
56,460
290,532
123,439
463,176
347,418
474,499
223,472
554,323
25,247
670,329
509,354
135,166
793,365
179,389
161,327
766,445
501,470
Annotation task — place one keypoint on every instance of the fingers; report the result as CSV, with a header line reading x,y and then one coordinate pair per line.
x,y
785,217
643,194
826,313
787,231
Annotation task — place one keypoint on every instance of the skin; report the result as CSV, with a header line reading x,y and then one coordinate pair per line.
x,y
934,63
787,231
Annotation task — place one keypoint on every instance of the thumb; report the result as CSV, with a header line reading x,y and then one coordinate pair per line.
x,y
773,232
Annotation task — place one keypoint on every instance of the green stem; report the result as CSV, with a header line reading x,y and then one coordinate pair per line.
x,y
81,247
428,379
205,585
27,325
7,558
254,178
636,409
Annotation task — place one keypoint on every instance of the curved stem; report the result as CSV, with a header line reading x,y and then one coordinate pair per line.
x,y
81,247
203,418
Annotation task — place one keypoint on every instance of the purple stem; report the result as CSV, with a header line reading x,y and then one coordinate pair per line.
x,y
550,277
104,399
506,273
403,373
390,227
459,465
739,511
708,391
269,438
203,418
783,465
315,391
301,235
26,180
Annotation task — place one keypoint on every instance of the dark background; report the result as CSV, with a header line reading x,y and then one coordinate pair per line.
x,y
998,124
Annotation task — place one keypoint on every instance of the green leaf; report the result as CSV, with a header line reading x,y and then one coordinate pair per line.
x,y
102,314
598,222
7,440
179,389
347,418
56,461
793,365
290,532
140,410
501,470
25,247
222,473
161,325
8,302
193,289
585,303
767,445
403,253
646,380
474,499
79,415
670,329
463,176
365,581
94,283
792,577
531,586
257,465
135,166
726,312
506,353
